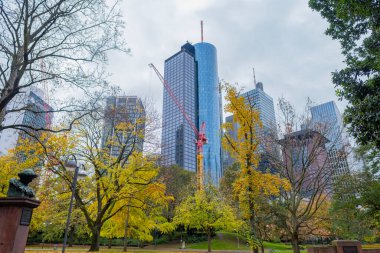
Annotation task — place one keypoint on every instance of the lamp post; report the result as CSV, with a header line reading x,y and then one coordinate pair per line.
x,y
71,165
237,237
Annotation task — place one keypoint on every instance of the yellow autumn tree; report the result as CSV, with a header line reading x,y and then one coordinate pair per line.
x,y
119,174
251,185
23,156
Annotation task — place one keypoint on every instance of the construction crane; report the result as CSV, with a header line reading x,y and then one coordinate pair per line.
x,y
200,134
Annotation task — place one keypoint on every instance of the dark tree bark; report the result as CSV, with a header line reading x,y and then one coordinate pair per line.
x,y
71,235
209,240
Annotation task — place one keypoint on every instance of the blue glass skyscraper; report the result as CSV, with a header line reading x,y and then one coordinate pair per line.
x,y
192,74
178,138
209,107
327,119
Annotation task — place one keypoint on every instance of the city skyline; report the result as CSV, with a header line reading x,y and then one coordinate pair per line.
x,y
286,45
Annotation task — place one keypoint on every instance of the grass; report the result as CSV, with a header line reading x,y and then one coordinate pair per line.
x,y
371,246
222,241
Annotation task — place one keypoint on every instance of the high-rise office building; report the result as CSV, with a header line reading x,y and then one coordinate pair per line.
x,y
327,119
178,138
124,118
209,108
192,74
262,102
30,109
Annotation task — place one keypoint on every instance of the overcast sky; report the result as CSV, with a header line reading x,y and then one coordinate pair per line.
x,y
283,40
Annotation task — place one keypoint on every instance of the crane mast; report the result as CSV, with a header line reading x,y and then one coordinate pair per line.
x,y
201,135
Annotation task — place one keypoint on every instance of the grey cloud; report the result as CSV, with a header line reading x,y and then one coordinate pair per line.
x,y
283,40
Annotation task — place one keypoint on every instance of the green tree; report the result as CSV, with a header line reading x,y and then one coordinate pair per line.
x,y
356,24
230,175
349,219
370,180
207,211
179,184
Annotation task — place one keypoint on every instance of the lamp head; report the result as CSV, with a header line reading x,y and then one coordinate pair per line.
x,y
71,163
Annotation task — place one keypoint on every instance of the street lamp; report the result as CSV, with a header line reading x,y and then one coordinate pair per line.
x,y
71,165
237,236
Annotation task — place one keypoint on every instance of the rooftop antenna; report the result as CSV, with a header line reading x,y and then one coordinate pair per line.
x,y
201,30
254,77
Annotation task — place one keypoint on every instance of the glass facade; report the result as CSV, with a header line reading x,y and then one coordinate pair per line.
x,y
178,138
264,104
123,109
209,108
30,110
327,119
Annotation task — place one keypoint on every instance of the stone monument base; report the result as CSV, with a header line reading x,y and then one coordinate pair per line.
x,y
15,216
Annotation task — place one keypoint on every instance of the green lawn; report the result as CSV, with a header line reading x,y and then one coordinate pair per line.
x,y
228,241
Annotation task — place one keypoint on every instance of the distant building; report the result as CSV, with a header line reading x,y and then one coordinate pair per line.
x,y
327,119
227,159
32,114
124,116
306,159
262,102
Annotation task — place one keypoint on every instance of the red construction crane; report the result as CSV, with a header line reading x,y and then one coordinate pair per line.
x,y
201,136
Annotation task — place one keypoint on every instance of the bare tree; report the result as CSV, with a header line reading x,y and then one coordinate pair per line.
x,y
305,163
56,45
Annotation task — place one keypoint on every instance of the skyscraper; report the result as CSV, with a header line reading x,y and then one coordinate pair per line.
x,y
124,119
262,102
178,146
209,107
30,110
327,119
192,74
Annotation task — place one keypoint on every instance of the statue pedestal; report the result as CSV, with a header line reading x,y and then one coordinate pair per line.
x,y
15,216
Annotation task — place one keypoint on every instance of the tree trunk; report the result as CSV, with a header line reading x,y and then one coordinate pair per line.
x,y
209,240
295,243
95,239
125,248
262,248
255,249
71,236
109,242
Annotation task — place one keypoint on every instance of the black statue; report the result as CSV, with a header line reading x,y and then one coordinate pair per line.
x,y
20,188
